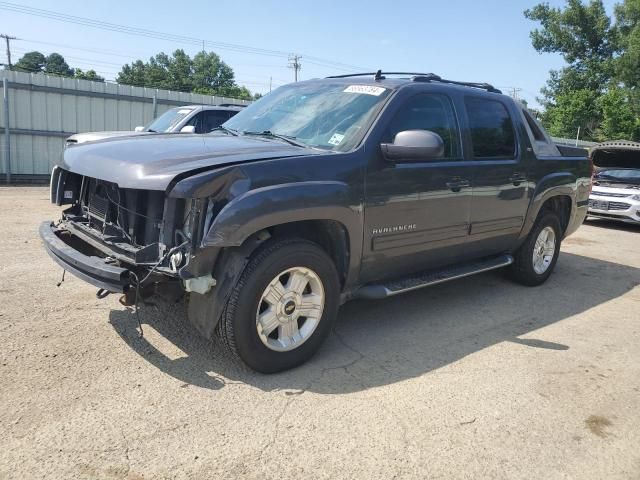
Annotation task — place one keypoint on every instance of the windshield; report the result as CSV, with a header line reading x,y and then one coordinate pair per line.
x,y
168,120
321,115
626,175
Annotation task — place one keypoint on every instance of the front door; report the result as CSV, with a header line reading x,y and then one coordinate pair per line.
x,y
417,213
500,187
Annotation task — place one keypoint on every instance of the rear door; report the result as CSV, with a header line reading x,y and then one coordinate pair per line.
x,y
500,187
416,213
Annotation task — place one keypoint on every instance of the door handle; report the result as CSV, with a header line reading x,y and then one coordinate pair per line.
x,y
457,184
517,179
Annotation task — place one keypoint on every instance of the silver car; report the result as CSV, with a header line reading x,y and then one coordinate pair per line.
x,y
616,182
187,119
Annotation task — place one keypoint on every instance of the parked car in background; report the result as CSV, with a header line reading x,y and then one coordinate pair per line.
x,y
616,182
187,119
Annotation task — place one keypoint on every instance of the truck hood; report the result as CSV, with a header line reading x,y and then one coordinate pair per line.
x,y
617,154
150,162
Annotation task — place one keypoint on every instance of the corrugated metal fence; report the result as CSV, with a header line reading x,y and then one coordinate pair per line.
x,y
572,142
44,110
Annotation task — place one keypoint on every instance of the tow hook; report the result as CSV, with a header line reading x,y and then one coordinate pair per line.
x,y
102,293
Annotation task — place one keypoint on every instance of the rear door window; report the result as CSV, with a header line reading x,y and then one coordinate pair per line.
x,y
492,132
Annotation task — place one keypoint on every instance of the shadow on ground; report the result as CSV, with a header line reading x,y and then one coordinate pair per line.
x,y
382,342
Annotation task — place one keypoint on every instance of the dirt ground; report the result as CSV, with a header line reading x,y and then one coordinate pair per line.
x,y
478,378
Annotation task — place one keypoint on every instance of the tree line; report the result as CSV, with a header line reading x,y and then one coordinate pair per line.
x,y
598,90
205,73
53,64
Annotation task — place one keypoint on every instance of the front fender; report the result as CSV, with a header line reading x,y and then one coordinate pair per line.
x,y
266,207
279,204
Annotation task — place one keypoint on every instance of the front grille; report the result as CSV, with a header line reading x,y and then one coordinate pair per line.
x,y
618,206
607,194
129,215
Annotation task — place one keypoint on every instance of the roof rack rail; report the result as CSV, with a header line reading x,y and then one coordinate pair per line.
x,y
484,86
422,77
379,75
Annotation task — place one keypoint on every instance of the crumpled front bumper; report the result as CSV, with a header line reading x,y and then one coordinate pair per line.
x,y
95,270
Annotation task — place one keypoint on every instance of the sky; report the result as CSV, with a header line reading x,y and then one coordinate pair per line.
x,y
470,40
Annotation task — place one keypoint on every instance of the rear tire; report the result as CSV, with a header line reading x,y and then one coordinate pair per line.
x,y
283,306
537,256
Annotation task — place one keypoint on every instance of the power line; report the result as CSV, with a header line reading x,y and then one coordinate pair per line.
x,y
294,62
130,57
111,53
80,59
7,39
159,35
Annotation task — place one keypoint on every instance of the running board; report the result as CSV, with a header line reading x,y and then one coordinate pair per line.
x,y
431,278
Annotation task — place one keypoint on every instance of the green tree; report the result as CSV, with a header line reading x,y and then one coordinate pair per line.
x,y
584,36
134,74
599,88
55,64
87,75
31,62
210,73
581,33
573,110
619,121
628,23
206,73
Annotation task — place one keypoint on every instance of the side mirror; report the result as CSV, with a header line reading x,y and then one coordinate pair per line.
x,y
139,129
414,146
188,129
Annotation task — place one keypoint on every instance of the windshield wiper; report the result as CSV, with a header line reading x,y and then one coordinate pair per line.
x,y
230,131
286,138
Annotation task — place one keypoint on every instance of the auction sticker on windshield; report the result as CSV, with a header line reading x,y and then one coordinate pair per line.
x,y
365,89
336,139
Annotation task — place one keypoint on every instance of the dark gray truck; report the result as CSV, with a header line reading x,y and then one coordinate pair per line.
x,y
361,186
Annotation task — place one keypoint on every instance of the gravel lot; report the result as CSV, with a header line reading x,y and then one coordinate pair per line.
x,y
475,378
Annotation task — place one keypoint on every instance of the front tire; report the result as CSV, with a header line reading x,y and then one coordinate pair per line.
x,y
536,258
283,306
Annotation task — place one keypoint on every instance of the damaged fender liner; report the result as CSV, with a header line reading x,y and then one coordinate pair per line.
x,y
91,269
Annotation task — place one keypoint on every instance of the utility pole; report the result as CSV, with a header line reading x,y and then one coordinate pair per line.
x,y
294,62
270,80
514,93
7,38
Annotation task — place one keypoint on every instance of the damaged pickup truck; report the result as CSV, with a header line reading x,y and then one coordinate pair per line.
x,y
360,186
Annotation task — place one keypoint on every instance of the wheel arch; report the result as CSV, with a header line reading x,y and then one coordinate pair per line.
x,y
319,211
557,193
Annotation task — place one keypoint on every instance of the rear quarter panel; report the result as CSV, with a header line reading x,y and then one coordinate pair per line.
x,y
559,175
